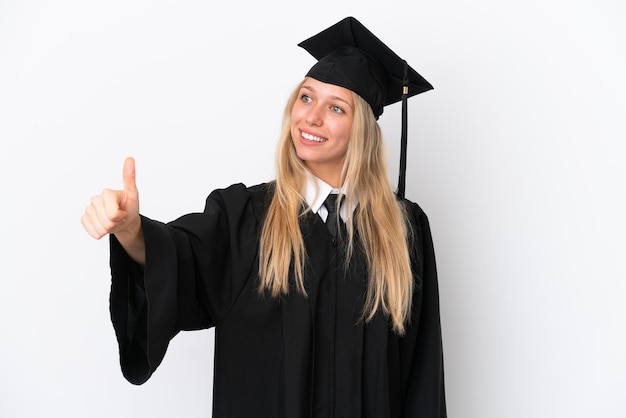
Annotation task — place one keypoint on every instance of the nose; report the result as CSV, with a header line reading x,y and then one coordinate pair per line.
x,y
314,116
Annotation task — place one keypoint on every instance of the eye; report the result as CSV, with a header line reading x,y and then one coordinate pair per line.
x,y
306,98
336,109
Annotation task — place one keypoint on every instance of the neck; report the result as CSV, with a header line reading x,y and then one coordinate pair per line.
x,y
330,175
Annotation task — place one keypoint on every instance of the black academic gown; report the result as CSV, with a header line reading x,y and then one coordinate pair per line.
x,y
293,357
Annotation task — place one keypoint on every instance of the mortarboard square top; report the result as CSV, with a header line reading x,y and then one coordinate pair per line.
x,y
351,56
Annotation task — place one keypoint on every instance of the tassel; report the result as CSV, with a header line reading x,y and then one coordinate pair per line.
x,y
403,137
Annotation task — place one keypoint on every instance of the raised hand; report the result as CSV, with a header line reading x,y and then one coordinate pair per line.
x,y
117,212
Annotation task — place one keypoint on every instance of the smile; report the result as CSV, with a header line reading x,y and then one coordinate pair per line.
x,y
313,138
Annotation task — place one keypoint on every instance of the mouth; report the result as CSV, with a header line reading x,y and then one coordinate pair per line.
x,y
313,138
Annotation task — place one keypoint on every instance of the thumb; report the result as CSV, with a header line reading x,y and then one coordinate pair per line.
x,y
130,193
129,175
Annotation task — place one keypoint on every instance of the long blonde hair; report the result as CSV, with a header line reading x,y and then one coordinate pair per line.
x,y
379,217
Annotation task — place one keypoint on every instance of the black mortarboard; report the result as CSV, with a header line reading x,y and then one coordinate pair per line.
x,y
351,56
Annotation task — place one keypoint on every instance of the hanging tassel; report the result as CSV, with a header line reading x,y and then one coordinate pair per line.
x,y
403,137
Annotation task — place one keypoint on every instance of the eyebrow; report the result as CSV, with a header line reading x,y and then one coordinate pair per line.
x,y
311,89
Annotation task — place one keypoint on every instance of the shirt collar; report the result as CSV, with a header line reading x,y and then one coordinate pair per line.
x,y
317,190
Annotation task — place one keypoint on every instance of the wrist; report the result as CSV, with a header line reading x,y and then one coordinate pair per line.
x,y
131,230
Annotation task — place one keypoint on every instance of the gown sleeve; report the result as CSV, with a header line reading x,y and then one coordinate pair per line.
x,y
421,348
195,268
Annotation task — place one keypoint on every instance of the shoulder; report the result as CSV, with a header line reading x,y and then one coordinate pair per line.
x,y
413,211
242,192
240,189
420,225
238,197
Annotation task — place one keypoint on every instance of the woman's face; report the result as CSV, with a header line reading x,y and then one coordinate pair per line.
x,y
321,124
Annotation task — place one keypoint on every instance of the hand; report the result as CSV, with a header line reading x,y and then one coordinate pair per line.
x,y
115,211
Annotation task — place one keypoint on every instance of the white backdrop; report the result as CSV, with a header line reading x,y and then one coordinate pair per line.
x,y
517,156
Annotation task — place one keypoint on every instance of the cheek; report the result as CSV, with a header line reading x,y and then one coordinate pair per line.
x,y
295,119
345,132
296,112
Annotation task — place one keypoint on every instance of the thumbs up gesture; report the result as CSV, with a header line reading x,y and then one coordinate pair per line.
x,y
115,211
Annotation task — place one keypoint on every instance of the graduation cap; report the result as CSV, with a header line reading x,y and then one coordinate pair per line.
x,y
351,56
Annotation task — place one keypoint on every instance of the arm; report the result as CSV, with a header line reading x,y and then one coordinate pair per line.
x,y
195,268
117,212
421,350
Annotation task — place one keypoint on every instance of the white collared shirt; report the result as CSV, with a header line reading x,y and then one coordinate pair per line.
x,y
317,190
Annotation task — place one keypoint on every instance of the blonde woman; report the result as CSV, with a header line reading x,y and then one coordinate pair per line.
x,y
320,309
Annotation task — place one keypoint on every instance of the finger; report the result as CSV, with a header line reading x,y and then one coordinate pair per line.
x,y
103,214
91,230
109,208
92,224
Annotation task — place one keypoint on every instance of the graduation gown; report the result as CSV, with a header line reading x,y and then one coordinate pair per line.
x,y
296,356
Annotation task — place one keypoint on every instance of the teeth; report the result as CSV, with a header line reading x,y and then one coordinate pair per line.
x,y
314,138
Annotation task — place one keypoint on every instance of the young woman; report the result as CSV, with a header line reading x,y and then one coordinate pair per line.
x,y
317,312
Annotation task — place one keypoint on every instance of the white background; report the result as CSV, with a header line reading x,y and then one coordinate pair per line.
x,y
517,156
